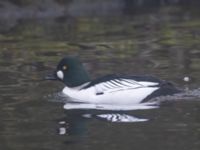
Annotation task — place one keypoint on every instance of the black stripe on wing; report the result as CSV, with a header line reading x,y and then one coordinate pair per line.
x,y
117,78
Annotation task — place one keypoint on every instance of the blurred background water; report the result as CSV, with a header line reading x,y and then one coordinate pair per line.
x,y
156,37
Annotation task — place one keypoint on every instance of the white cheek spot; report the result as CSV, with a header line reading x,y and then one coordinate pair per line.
x,y
60,75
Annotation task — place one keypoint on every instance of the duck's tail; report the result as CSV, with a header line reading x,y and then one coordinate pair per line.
x,y
165,89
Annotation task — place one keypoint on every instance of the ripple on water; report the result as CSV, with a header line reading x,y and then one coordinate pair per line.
x,y
118,113
185,95
153,103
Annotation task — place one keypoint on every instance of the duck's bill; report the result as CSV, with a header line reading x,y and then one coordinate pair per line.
x,y
51,77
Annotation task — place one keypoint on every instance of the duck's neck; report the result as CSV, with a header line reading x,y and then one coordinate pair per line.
x,y
77,78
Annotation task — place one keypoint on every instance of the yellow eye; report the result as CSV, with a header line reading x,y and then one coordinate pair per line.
x,y
64,67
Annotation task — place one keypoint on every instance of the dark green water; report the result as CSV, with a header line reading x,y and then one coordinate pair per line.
x,y
163,41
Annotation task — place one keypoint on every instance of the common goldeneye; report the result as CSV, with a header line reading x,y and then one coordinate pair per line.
x,y
110,89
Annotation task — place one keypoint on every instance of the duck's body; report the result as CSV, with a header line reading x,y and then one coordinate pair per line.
x,y
111,89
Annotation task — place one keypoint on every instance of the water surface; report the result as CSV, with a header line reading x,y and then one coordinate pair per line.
x,y
161,41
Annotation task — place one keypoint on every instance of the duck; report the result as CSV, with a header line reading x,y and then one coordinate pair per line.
x,y
110,89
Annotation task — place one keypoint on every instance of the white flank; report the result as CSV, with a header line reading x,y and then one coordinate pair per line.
x,y
115,92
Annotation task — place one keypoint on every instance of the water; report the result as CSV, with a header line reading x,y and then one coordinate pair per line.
x,y
161,41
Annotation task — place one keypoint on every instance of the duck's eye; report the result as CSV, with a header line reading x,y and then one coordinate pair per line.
x,y
64,67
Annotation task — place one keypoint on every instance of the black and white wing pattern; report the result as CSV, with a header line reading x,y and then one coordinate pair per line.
x,y
119,85
113,83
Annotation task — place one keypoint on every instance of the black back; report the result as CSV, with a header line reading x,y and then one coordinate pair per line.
x,y
113,77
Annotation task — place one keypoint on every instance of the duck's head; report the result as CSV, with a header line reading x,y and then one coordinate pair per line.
x,y
70,71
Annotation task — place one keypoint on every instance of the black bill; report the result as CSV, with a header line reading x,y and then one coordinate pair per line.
x,y
51,77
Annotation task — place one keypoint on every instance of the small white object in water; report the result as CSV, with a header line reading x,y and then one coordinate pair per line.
x,y
62,130
87,115
186,79
62,122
